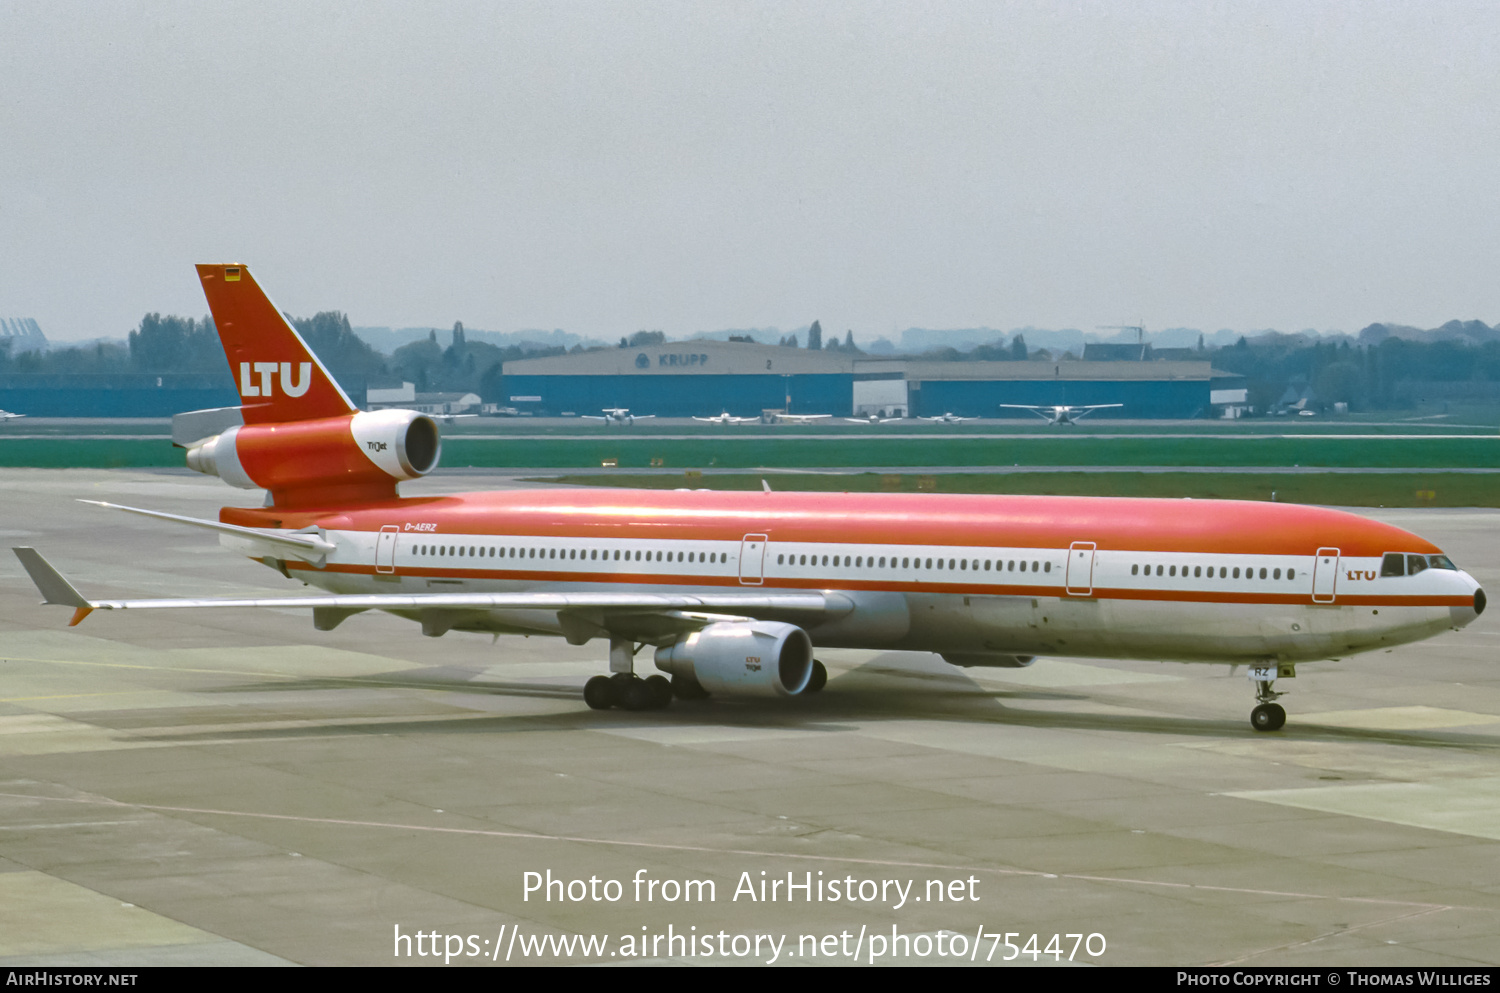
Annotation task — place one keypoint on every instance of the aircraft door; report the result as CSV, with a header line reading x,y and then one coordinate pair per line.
x,y
1080,576
1325,575
385,549
753,559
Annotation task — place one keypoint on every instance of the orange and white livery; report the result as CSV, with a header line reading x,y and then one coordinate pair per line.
x,y
734,590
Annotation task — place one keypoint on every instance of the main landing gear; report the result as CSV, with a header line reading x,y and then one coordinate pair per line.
x,y
628,692
1267,716
624,689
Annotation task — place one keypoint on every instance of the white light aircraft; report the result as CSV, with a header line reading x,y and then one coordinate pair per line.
x,y
1061,414
871,419
617,415
728,418
777,417
948,418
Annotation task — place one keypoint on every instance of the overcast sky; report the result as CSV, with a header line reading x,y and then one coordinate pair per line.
x,y
609,167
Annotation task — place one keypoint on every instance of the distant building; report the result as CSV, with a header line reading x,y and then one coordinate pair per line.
x,y
1097,352
704,377
406,397
23,334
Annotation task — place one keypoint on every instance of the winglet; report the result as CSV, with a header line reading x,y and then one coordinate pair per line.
x,y
53,586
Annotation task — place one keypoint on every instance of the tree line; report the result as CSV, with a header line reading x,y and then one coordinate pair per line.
x,y
1385,368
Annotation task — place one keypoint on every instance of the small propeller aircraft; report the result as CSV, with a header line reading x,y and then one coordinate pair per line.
x,y
727,418
871,419
777,417
1061,414
948,418
617,415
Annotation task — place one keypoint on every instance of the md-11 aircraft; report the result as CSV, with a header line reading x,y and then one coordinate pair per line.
x,y
1061,414
733,590
617,415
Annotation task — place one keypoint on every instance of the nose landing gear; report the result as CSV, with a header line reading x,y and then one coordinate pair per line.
x,y
1267,716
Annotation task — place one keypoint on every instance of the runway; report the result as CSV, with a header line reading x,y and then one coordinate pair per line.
x,y
237,788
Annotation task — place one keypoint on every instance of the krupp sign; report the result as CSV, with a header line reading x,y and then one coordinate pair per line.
x,y
642,361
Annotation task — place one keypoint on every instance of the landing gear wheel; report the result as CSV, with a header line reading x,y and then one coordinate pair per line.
x,y
687,689
599,693
1268,717
818,679
661,691
636,695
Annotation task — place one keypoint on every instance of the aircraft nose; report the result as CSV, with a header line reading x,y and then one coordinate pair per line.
x,y
1463,615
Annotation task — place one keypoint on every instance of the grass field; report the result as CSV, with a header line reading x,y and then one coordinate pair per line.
x,y
905,454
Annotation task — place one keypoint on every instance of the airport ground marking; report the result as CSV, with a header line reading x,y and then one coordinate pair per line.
x,y
1420,906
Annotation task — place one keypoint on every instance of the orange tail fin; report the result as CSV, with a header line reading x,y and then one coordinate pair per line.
x,y
278,377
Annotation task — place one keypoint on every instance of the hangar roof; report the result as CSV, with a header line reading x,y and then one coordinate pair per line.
x,y
734,358
702,357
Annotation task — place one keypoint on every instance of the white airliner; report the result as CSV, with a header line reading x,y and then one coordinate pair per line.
x,y
617,415
947,418
733,590
1061,414
728,418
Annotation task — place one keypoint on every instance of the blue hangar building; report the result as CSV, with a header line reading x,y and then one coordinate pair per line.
x,y
704,378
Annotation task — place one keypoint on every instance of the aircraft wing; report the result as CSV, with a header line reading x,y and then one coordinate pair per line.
x,y
1042,412
666,613
308,546
1084,411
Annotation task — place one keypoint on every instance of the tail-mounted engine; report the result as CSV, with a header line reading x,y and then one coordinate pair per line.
x,y
743,658
344,459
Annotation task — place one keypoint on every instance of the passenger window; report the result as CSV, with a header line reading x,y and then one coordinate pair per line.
x,y
1197,571
1415,564
1236,572
1135,570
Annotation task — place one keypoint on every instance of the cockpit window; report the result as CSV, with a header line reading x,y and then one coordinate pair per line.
x,y
1415,564
1394,564
1441,562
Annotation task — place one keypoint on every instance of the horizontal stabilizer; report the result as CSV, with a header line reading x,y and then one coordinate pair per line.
x,y
304,546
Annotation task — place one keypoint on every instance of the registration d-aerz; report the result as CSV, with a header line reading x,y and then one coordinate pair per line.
x,y
733,591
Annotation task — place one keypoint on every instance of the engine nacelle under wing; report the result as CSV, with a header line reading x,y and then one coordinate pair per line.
x,y
347,458
743,658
